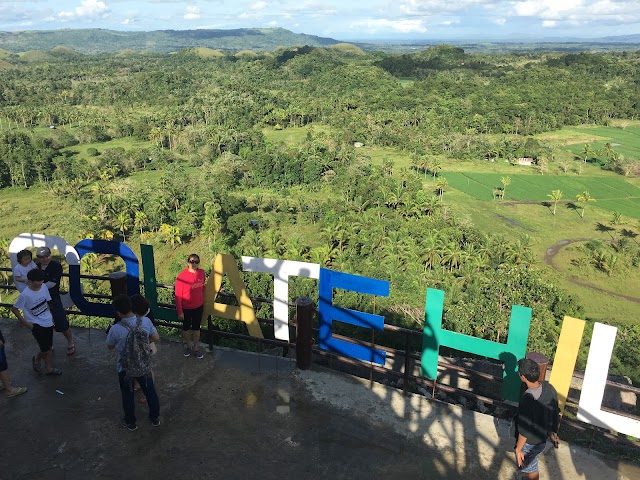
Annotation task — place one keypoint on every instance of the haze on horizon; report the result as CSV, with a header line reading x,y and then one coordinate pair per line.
x,y
340,19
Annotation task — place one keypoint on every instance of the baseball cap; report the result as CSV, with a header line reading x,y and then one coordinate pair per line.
x,y
43,252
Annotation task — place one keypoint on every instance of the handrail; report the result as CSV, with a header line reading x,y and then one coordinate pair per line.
x,y
406,353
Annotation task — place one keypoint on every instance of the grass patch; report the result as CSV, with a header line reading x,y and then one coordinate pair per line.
x,y
293,136
536,220
128,143
611,193
625,140
378,155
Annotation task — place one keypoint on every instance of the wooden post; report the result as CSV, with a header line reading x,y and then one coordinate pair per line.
x,y
304,332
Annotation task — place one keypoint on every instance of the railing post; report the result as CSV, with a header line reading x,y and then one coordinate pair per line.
x,y
210,330
407,346
118,281
304,332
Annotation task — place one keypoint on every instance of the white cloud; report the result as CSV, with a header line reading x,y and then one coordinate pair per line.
x,y
547,8
86,9
579,12
500,21
549,23
258,6
433,7
402,26
192,13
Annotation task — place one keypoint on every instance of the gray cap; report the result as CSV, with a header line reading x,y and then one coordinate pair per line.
x,y
43,252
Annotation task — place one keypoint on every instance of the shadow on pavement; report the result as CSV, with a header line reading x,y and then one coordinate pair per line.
x,y
236,415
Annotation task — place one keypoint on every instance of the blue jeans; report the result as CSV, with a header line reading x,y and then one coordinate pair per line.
x,y
531,455
128,398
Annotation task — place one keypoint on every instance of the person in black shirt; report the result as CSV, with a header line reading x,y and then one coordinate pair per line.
x,y
538,418
52,275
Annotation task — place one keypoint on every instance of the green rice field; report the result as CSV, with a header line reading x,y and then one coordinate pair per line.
x,y
610,193
626,142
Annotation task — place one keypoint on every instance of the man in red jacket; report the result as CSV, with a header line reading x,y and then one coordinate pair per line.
x,y
189,291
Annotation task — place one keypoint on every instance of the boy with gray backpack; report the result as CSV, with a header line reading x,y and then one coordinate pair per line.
x,y
131,337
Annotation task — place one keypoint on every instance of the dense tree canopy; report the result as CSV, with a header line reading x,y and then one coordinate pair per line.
x,y
319,199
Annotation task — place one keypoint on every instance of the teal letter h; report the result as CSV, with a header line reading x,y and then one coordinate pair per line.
x,y
434,337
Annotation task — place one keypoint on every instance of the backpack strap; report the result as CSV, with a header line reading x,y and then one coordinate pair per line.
x,y
126,325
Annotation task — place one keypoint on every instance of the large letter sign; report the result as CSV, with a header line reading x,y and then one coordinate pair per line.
x,y
151,288
434,336
110,248
564,361
225,263
26,240
281,271
595,380
329,312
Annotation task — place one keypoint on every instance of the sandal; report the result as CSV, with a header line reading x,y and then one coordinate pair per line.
x,y
36,366
71,350
54,372
16,392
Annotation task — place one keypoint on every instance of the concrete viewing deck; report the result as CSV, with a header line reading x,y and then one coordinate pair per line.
x,y
237,415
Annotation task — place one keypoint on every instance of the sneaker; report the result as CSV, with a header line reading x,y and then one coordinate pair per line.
x,y
132,427
155,422
198,354
187,351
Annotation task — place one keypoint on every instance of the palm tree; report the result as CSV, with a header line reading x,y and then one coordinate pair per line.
x,y
170,234
123,224
617,218
556,196
424,164
587,152
272,242
440,185
584,198
435,167
608,150
323,255
387,166
140,220
88,263
505,181
451,256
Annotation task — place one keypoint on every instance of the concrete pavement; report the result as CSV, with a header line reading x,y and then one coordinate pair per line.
x,y
236,415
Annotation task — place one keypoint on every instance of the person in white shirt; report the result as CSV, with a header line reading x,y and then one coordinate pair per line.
x,y
32,310
25,265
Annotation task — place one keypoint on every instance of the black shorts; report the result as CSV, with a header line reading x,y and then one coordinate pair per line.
x,y
192,318
59,315
3,357
44,337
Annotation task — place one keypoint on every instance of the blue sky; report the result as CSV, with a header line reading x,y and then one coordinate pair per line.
x,y
340,19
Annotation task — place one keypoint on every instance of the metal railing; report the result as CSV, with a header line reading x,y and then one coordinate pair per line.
x,y
408,357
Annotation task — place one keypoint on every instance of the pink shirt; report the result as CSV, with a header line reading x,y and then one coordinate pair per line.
x,y
189,290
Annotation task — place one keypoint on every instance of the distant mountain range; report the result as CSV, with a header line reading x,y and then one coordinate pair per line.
x,y
97,40
635,38
91,41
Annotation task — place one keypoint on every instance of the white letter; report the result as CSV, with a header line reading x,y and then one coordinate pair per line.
x,y
595,378
281,270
